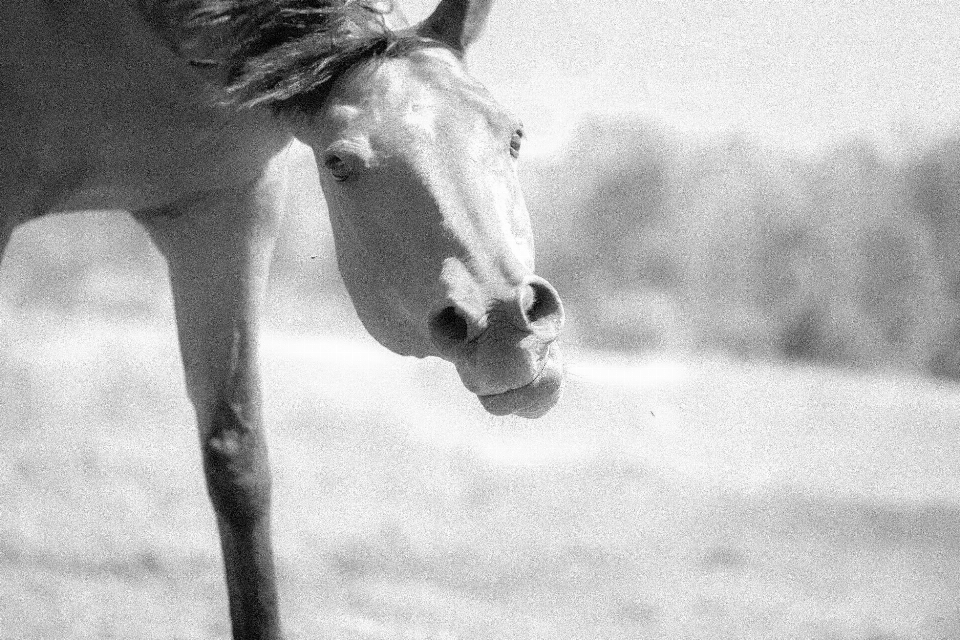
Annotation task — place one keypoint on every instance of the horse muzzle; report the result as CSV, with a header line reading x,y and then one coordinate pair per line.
x,y
535,398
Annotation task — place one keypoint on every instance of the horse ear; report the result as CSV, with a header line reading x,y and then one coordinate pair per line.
x,y
456,23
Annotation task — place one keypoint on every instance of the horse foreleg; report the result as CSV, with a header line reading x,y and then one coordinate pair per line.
x,y
6,230
218,248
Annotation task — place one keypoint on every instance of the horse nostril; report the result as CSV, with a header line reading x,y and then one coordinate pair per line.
x,y
448,327
542,304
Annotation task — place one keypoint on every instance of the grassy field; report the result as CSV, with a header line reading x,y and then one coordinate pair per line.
x,y
659,500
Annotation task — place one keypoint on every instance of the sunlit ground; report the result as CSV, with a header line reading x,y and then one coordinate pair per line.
x,y
660,499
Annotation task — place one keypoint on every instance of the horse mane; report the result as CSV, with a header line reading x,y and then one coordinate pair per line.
x,y
287,54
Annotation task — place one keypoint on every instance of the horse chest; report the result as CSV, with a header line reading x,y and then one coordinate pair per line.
x,y
136,163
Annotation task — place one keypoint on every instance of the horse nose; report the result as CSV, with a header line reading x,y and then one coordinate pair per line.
x,y
534,307
541,311
453,327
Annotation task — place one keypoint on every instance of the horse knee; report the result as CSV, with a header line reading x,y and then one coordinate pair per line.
x,y
235,463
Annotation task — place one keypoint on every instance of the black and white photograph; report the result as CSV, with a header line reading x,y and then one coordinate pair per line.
x,y
477,320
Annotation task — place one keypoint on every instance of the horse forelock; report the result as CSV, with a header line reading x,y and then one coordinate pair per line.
x,y
287,54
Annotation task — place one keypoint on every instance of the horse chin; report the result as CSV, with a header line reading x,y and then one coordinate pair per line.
x,y
534,399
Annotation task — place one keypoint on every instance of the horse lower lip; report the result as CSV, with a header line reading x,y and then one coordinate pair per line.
x,y
533,399
517,401
502,404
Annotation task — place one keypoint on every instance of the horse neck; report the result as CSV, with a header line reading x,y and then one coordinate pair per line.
x,y
169,20
203,48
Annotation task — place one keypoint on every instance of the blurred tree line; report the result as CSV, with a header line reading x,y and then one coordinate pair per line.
x,y
657,241
662,242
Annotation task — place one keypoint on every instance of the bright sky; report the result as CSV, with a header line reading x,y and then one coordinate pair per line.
x,y
798,71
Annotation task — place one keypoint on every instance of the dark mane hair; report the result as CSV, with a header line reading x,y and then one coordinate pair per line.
x,y
287,54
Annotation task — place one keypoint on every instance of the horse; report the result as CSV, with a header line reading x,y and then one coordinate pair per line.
x,y
183,113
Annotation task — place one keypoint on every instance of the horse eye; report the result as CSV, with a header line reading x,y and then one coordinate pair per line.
x,y
338,167
515,143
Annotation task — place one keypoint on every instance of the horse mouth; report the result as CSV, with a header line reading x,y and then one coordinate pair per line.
x,y
531,400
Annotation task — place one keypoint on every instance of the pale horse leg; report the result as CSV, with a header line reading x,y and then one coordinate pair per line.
x,y
218,248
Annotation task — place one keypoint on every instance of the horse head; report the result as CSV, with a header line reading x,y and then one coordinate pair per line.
x,y
418,164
